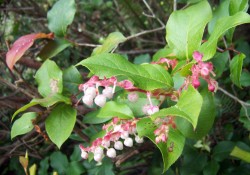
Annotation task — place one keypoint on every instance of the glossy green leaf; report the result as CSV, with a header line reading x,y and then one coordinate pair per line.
x,y
236,68
205,119
71,80
238,5
188,107
245,79
222,150
241,154
23,124
211,168
49,79
43,166
143,58
59,162
45,102
53,47
75,168
146,76
60,16
110,43
92,118
220,11
112,109
145,127
60,123
185,29
221,26
220,61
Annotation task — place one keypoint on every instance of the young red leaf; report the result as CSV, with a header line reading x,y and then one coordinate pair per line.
x,y
21,45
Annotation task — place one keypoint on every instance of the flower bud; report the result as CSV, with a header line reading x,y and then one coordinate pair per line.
x,y
138,139
111,153
100,100
124,134
118,145
84,155
98,157
196,83
128,142
204,71
87,100
90,91
108,92
133,97
98,150
152,110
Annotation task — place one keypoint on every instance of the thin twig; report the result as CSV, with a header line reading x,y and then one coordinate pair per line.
x,y
152,13
144,32
243,104
87,44
175,5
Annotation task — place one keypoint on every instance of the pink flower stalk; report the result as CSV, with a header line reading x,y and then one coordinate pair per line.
x,y
116,130
170,63
202,70
161,133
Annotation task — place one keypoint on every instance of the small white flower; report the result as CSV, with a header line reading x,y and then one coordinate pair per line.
x,y
152,110
100,100
84,155
118,145
128,142
98,157
90,91
108,92
87,100
98,150
138,139
111,153
124,134
133,97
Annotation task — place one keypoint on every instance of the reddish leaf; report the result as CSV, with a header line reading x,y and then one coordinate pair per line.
x,y
21,45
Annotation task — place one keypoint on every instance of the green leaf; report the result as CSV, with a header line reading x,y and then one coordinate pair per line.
x,y
146,76
245,79
188,107
53,47
60,16
112,109
110,43
222,150
205,119
92,118
49,78
211,168
241,154
220,61
45,102
59,162
71,80
43,166
238,5
185,29
221,26
162,53
75,168
221,11
146,127
23,124
236,68
143,58
60,123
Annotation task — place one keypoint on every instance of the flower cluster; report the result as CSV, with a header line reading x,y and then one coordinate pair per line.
x,y
118,133
203,70
92,94
162,131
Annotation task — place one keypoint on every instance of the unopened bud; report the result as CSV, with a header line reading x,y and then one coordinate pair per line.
x,y
138,139
133,97
128,142
87,100
98,150
90,91
124,134
98,157
84,155
108,92
111,153
152,110
100,100
118,145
